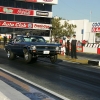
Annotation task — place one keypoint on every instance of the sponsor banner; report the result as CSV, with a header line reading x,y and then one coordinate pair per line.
x,y
24,25
25,12
42,14
28,0
16,11
95,27
42,1
41,26
48,1
79,49
14,24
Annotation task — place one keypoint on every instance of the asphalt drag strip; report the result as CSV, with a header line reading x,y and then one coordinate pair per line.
x,y
30,90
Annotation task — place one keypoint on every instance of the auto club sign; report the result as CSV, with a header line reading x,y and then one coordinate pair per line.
x,y
24,25
14,24
96,27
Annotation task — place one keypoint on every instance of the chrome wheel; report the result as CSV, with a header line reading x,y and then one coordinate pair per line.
x,y
8,54
11,55
26,56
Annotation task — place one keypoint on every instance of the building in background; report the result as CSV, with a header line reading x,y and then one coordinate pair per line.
x,y
85,30
22,16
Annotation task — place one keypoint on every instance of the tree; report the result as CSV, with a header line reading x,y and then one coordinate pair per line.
x,y
59,30
57,27
68,29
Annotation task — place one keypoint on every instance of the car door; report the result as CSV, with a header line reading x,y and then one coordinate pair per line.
x,y
19,46
16,45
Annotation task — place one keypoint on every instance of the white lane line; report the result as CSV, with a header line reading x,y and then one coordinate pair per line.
x,y
3,97
43,88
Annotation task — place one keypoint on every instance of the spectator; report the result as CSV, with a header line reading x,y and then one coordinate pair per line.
x,y
79,43
67,45
5,39
0,39
73,43
83,42
28,34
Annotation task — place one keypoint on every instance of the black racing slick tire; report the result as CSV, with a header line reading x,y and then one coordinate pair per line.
x,y
27,57
53,58
10,55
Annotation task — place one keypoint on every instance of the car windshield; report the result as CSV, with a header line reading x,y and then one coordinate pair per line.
x,y
34,39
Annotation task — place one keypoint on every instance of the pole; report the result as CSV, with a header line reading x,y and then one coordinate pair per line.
x,y
90,21
90,15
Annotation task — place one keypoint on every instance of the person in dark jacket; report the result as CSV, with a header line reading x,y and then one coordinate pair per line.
x,y
67,45
73,43
5,39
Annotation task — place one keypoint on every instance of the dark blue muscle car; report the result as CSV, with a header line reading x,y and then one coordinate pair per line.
x,y
31,47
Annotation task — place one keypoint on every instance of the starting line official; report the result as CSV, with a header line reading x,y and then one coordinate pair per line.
x,y
73,43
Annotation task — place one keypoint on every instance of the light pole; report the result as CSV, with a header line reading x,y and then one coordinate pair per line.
x,y
89,25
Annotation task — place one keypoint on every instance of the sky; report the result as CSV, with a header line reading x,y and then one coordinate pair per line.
x,y
78,10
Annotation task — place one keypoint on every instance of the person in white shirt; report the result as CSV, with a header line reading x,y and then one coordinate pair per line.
x,y
73,43
67,45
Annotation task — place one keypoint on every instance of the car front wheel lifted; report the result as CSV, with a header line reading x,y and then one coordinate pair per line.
x,y
10,55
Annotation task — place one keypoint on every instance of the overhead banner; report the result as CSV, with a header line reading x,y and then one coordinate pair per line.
x,y
25,12
14,24
41,26
95,27
40,13
16,11
48,1
24,25
42,1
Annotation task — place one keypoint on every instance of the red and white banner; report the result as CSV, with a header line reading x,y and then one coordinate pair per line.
x,y
27,25
30,0
14,24
95,27
25,12
48,1
16,11
42,1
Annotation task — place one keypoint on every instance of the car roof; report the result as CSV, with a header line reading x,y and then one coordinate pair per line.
x,y
29,36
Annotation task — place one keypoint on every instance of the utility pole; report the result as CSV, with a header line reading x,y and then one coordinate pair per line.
x,y
90,22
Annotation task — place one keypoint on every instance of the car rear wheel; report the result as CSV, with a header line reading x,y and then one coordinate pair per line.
x,y
10,55
53,58
27,57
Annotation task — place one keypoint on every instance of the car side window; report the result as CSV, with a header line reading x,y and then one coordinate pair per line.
x,y
17,40
40,40
33,40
